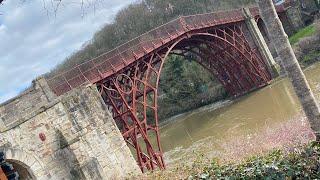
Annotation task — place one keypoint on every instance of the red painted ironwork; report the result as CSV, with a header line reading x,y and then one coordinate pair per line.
x,y
128,76
113,61
132,92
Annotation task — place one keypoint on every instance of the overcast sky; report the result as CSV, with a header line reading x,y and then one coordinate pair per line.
x,y
34,37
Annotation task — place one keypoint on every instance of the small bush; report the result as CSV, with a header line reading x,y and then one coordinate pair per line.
x,y
311,57
300,163
307,49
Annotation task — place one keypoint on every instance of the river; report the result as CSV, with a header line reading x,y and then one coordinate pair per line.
x,y
204,129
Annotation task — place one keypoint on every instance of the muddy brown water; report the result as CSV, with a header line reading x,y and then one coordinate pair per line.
x,y
246,115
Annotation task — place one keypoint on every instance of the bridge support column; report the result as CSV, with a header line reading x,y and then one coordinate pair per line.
x,y
273,67
291,64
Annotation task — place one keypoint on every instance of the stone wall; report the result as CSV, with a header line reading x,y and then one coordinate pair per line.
x,y
295,17
90,121
80,140
19,109
292,21
257,42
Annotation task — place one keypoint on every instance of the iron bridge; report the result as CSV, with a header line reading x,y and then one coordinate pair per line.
x,y
128,76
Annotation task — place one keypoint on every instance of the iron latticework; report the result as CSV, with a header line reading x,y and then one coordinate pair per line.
x,y
132,93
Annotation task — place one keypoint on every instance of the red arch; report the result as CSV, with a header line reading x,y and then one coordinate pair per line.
x,y
261,73
126,92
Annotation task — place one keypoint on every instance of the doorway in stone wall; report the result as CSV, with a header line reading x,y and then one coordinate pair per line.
x,y
21,169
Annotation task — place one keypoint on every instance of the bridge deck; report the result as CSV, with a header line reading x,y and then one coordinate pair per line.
x,y
117,59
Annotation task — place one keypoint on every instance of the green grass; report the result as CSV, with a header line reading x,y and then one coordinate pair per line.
x,y
311,57
305,32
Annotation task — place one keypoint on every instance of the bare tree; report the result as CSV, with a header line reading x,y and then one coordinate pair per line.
x,y
300,84
1,1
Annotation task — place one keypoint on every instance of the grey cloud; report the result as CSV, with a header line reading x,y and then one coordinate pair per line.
x,y
33,38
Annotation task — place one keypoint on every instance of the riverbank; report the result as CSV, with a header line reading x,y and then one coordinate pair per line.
x,y
203,156
306,44
299,163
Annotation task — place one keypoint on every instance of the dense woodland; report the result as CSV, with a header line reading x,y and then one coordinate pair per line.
x,y
184,84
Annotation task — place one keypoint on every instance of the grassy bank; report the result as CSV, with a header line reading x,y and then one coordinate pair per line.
x,y
306,44
310,58
299,163
305,32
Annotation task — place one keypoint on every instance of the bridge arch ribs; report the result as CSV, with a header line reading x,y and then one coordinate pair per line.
x,y
131,94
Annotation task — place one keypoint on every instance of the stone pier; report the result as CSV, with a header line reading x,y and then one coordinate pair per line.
x,y
68,137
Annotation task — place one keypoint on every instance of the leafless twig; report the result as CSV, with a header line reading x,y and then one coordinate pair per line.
x,y
1,4
56,8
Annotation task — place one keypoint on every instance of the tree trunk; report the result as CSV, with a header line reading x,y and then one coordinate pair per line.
x,y
280,40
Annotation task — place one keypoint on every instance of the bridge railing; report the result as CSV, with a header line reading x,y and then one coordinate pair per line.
x,y
108,63
113,61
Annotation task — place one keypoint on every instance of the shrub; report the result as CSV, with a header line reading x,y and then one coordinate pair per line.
x,y
232,152
307,49
300,163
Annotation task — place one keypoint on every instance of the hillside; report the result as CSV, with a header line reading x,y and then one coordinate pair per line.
x,y
138,18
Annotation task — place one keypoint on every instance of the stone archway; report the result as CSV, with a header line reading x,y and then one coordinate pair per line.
x,y
22,169
26,164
